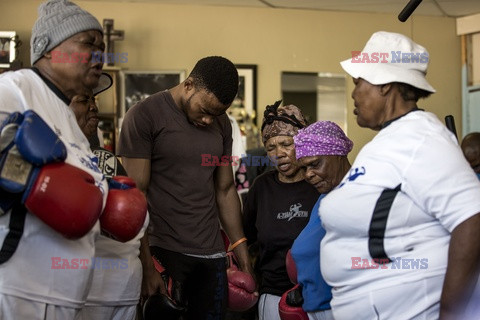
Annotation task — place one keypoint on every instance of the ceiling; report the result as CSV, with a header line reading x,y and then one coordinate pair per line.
x,y
446,8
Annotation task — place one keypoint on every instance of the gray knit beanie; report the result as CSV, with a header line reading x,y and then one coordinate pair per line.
x,y
57,21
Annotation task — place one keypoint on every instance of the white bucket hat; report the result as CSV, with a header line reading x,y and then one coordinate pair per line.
x,y
391,57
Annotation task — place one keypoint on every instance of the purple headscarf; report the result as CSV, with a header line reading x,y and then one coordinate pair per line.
x,y
322,138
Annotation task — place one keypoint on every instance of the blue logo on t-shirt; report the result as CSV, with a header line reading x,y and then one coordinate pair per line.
x,y
353,174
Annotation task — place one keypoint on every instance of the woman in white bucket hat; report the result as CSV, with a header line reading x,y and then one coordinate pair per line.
x,y
402,238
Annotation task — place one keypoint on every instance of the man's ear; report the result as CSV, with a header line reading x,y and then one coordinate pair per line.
x,y
188,84
385,89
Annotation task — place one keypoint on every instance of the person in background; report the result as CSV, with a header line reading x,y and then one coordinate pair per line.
x,y
278,206
40,272
85,108
5,50
117,275
321,149
402,236
162,143
471,150
238,149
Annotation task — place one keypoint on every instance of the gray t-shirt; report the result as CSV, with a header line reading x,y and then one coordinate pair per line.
x,y
181,193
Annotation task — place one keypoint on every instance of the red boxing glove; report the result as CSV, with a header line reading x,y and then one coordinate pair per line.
x,y
125,210
65,198
289,312
241,287
291,267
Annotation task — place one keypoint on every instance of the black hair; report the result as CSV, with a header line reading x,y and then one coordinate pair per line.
x,y
217,75
471,139
410,92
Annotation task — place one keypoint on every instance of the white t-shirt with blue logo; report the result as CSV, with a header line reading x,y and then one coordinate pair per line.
x,y
47,267
406,192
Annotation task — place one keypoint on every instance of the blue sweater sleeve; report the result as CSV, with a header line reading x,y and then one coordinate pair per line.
x,y
306,254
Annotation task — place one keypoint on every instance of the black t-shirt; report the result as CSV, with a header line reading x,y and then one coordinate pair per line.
x,y
274,214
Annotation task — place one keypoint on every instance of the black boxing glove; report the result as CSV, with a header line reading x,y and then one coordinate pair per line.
x,y
160,306
294,297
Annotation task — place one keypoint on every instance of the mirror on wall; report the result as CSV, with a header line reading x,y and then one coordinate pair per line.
x,y
321,96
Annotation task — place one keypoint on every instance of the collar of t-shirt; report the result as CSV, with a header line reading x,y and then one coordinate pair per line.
x,y
52,87
386,124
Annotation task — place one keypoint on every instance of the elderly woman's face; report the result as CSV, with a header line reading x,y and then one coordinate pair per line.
x,y
322,172
282,150
86,113
72,59
369,104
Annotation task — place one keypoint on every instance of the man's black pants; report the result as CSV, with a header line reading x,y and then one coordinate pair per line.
x,y
204,283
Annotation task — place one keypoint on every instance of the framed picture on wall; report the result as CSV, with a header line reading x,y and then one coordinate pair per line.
x,y
247,90
7,48
138,85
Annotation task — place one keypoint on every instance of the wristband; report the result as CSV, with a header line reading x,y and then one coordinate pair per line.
x,y
233,246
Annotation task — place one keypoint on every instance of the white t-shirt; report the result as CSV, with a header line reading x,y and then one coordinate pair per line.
x,y
47,267
117,275
437,191
238,149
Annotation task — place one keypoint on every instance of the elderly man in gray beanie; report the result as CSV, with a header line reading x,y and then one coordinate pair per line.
x,y
63,40
44,274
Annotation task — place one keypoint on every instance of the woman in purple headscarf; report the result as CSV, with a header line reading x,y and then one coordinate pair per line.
x,y
322,150
278,206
